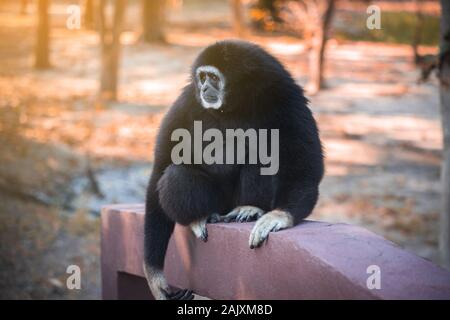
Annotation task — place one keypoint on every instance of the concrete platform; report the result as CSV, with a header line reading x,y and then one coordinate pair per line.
x,y
313,260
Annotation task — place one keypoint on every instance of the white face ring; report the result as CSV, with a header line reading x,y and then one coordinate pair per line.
x,y
211,69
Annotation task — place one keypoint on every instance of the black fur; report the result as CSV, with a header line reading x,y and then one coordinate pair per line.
x,y
260,93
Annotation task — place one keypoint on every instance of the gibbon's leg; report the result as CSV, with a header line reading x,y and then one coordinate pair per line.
x,y
189,196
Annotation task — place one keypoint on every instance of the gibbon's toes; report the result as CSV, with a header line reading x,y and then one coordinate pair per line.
x,y
214,218
180,295
183,295
199,229
272,221
244,214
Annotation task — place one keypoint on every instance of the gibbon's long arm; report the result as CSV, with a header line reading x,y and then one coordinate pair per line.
x,y
296,184
157,226
299,176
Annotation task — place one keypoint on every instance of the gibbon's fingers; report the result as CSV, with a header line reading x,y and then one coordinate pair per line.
x,y
188,295
272,221
199,229
249,213
214,218
243,214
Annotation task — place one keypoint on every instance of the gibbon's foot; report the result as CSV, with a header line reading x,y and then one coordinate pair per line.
x,y
270,222
243,214
179,295
214,218
159,287
199,229
156,282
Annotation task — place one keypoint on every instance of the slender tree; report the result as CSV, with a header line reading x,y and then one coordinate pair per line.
x,y
89,14
319,40
153,20
110,48
313,19
426,63
444,75
238,18
24,6
42,60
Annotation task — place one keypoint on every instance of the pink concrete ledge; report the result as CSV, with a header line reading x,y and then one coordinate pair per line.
x,y
314,260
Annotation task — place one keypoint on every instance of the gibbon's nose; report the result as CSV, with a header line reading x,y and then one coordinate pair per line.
x,y
209,92
207,89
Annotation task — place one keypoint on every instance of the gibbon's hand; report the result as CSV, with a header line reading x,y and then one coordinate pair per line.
x,y
199,229
270,222
214,218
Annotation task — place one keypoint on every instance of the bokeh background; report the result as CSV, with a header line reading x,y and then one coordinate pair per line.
x,y
84,85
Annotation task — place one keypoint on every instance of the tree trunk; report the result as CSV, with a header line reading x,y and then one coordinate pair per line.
x,y
317,49
42,60
89,14
110,49
238,18
315,68
417,37
444,68
153,20
24,6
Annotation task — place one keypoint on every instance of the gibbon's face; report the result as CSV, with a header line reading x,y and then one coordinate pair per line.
x,y
211,86
229,76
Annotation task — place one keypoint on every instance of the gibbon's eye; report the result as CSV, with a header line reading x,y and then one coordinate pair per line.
x,y
202,77
214,77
